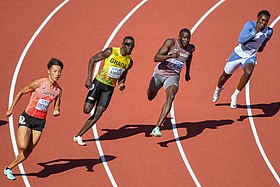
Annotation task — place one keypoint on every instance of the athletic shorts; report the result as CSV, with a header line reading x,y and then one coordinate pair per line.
x,y
235,61
31,122
158,81
100,93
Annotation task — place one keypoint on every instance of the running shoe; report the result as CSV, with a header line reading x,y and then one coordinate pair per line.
x,y
156,132
216,94
8,172
79,140
233,103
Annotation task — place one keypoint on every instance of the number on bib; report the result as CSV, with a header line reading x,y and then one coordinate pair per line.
x,y
42,105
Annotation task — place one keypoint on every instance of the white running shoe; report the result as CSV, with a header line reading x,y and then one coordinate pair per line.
x,y
79,140
216,94
233,103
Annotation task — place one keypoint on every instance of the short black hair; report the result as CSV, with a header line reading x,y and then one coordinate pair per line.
x,y
54,61
129,37
265,12
185,30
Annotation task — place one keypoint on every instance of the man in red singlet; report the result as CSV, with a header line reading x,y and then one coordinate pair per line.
x,y
172,56
32,120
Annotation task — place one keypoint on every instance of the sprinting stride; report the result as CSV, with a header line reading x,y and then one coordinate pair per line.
x,y
172,56
252,39
32,120
117,62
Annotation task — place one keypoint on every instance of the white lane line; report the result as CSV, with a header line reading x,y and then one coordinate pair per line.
x,y
98,144
12,88
253,127
172,113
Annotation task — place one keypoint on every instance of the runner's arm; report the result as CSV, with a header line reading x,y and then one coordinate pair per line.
x,y
122,79
247,33
56,111
27,89
162,53
96,58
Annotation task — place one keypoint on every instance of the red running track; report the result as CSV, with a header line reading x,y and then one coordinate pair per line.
x,y
220,149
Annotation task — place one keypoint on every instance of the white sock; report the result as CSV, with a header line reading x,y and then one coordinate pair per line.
x,y
236,92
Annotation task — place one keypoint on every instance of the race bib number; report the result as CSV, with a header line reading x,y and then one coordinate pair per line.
x,y
175,65
42,105
22,120
115,72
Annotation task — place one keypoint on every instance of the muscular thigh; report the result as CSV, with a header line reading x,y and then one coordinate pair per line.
x,y
36,135
156,83
171,81
105,96
94,92
233,63
23,136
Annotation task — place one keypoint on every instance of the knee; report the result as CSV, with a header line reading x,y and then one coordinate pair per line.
x,y
224,77
99,112
170,99
87,110
88,107
151,95
248,73
22,146
27,152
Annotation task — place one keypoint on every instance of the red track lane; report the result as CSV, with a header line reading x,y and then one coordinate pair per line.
x,y
222,153
220,149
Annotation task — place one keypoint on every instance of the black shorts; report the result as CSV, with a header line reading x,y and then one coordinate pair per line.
x,y
100,93
31,122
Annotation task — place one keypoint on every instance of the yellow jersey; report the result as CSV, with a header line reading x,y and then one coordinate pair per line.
x,y
113,67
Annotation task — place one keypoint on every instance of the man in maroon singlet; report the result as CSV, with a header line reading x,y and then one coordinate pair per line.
x,y
172,56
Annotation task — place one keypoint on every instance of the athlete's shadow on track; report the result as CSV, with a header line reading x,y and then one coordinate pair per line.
x,y
193,129
3,122
269,110
62,165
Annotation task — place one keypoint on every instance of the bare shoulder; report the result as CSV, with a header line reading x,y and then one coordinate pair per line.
x,y
169,42
36,83
107,52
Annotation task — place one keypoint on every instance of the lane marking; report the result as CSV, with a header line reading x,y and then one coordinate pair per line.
x,y
253,127
172,113
96,69
13,84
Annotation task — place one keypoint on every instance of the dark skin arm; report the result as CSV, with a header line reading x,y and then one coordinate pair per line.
x,y
188,64
122,79
162,53
96,58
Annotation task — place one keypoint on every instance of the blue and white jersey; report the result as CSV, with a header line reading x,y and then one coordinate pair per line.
x,y
250,41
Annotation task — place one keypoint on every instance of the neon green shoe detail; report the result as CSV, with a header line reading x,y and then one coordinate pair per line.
x,y
156,132
9,174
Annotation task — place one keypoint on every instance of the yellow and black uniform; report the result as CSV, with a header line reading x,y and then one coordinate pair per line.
x,y
113,67
102,87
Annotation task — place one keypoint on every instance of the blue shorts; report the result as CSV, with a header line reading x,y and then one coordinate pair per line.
x,y
235,61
